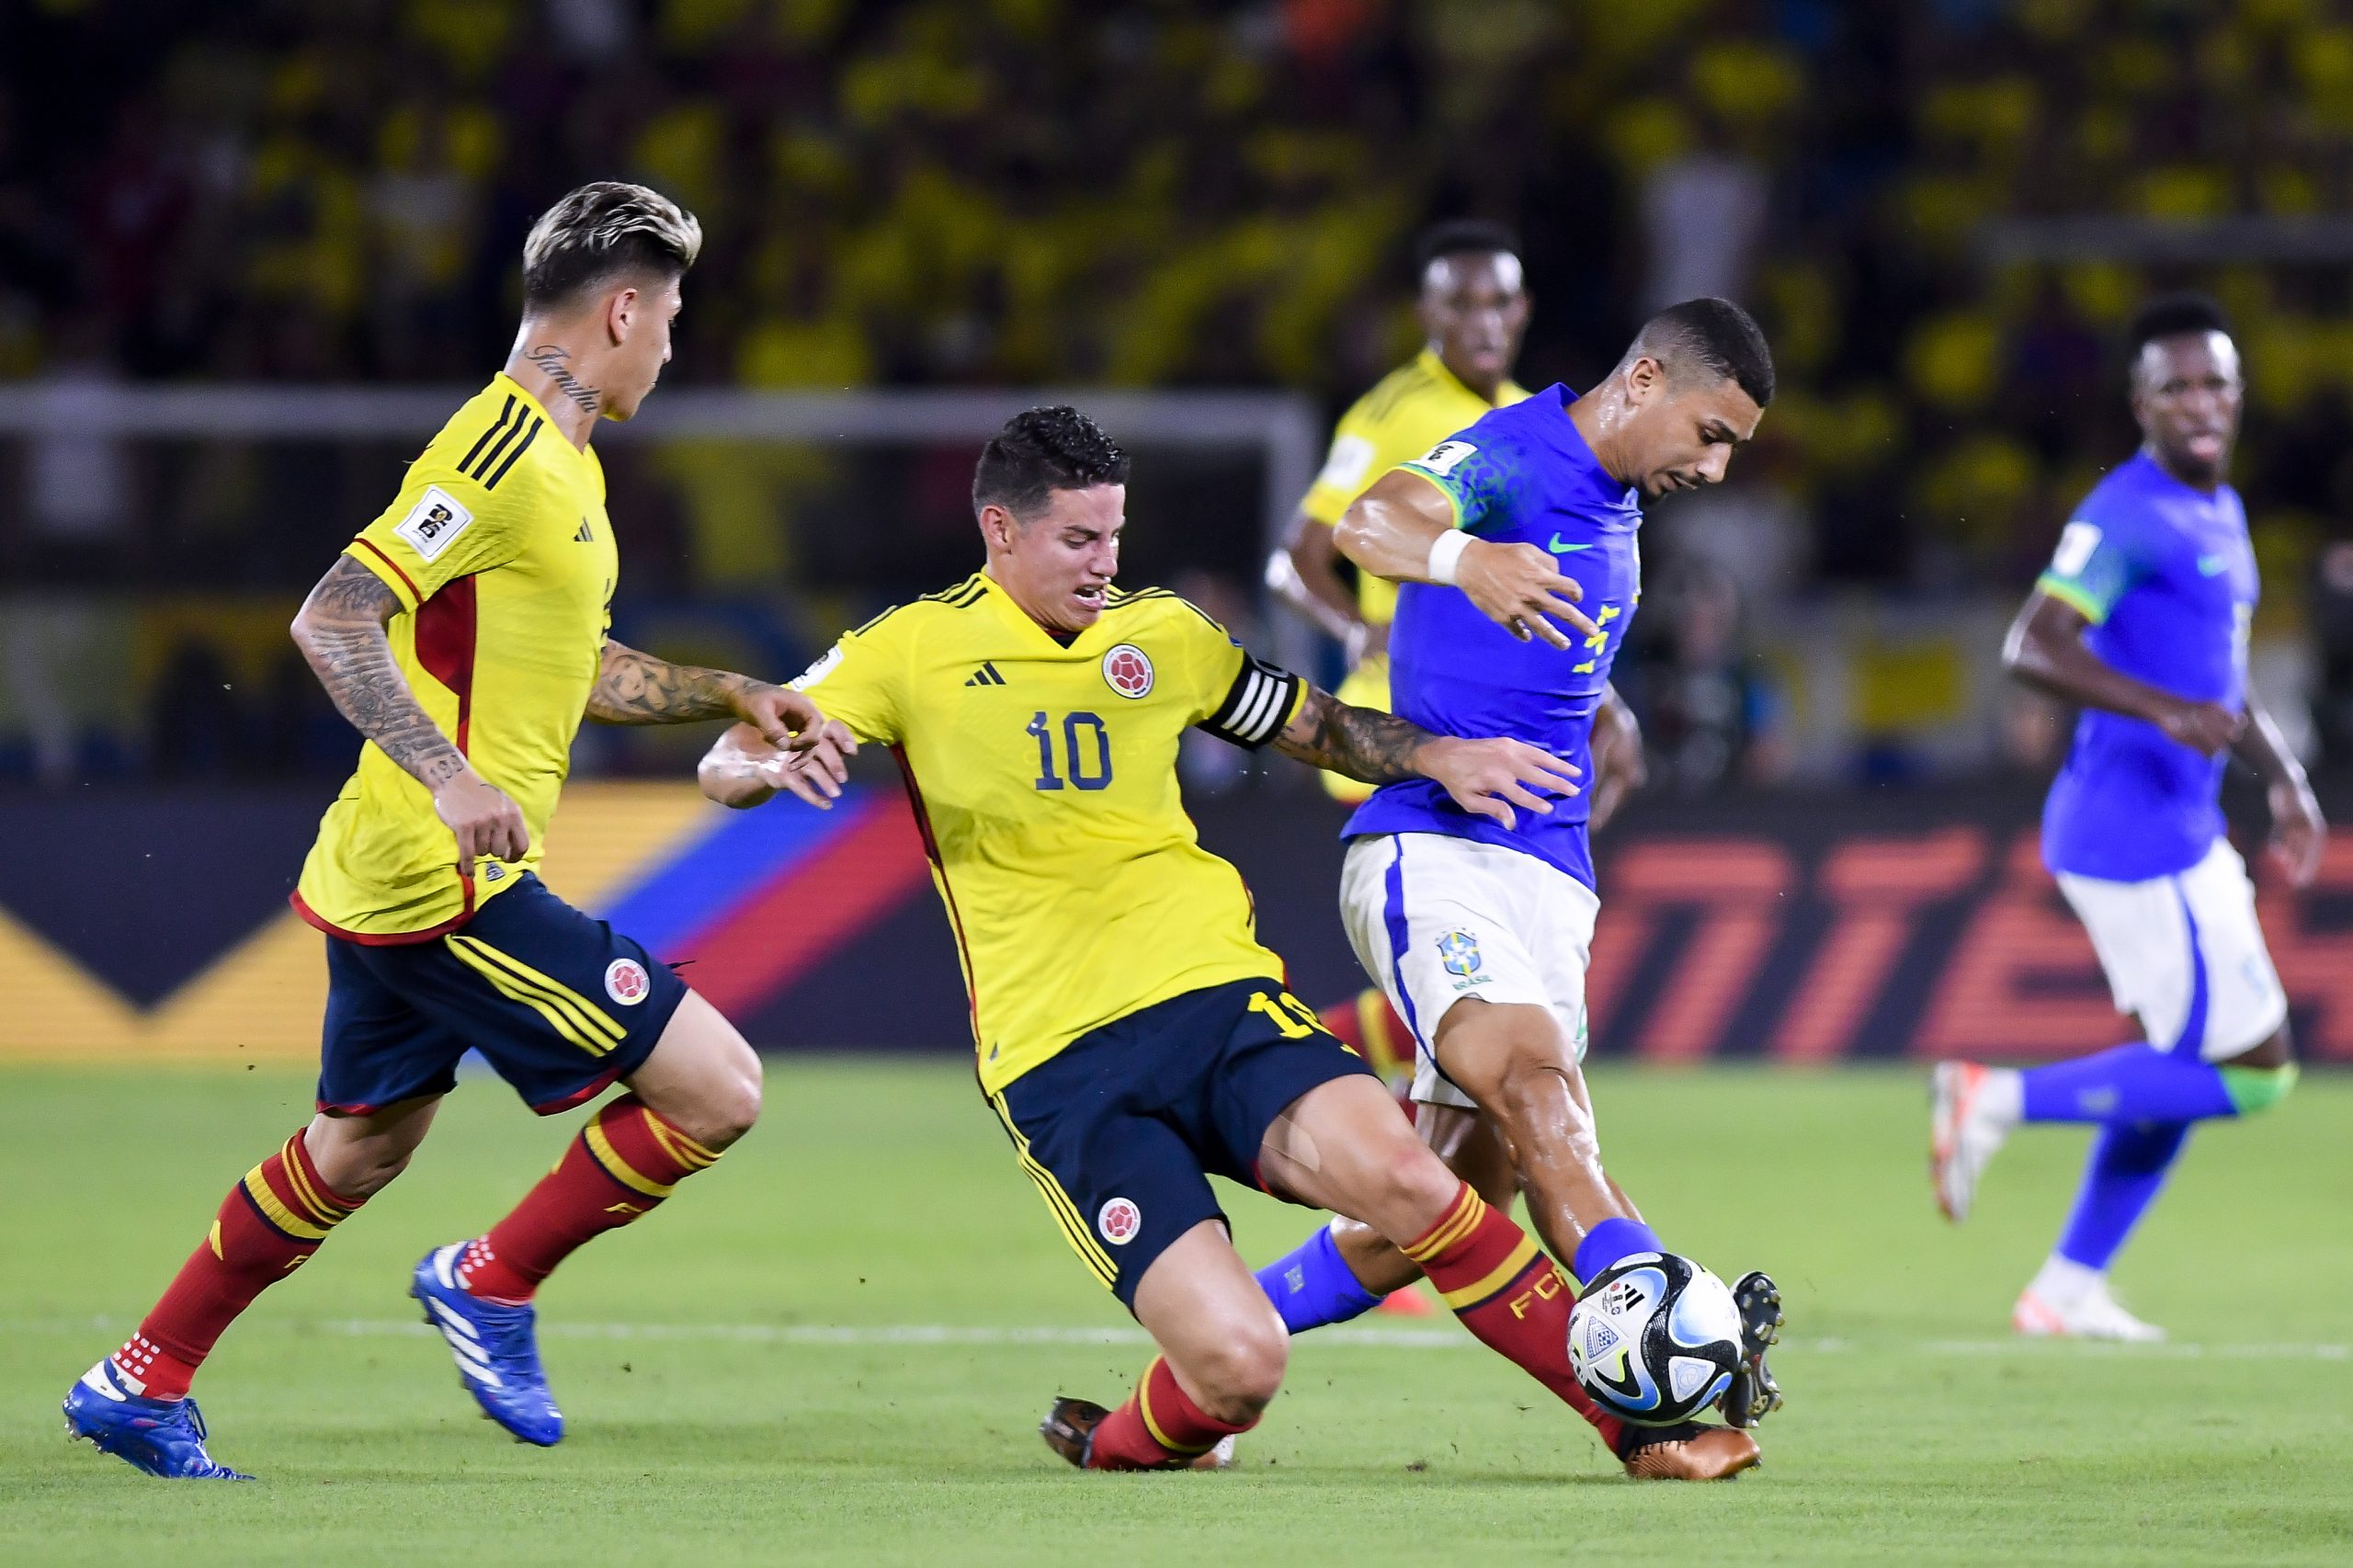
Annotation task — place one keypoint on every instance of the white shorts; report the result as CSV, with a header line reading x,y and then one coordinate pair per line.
x,y
2185,953
1435,919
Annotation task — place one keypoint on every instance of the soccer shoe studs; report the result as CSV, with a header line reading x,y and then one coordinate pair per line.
x,y
1753,1395
496,1352
1688,1452
161,1437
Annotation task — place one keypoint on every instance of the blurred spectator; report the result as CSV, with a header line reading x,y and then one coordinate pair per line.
x,y
1711,711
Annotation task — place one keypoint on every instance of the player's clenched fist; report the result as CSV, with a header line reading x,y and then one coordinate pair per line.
x,y
1489,778
487,824
1520,588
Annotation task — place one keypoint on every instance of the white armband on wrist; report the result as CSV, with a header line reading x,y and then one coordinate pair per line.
x,y
1446,555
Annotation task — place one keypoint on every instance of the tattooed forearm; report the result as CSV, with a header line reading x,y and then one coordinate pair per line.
x,y
638,688
341,632
1360,741
550,361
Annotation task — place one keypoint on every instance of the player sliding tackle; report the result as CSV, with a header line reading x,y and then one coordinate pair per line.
x,y
1133,1035
463,632
1515,544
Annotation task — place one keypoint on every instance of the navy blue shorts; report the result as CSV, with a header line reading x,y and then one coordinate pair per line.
x,y
1123,1130
561,1005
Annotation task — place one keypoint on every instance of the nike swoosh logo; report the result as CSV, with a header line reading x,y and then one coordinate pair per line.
x,y
1557,548
2213,566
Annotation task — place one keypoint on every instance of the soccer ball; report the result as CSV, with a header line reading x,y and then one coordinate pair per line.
x,y
1654,1339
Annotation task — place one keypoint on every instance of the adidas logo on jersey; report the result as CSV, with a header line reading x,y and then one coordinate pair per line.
x,y
585,535
985,676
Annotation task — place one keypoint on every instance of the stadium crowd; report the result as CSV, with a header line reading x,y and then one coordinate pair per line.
x,y
1034,191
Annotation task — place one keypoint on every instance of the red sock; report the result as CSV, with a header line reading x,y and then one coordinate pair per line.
x,y
268,1225
1159,1428
1509,1294
625,1162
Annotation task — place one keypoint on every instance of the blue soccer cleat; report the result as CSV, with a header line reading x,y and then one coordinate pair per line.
x,y
494,1349
162,1436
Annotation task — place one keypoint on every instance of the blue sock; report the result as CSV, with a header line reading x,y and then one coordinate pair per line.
x,y
2126,1171
2126,1085
1609,1242
1313,1286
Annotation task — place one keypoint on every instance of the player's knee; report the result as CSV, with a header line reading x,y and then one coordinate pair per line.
x,y
726,1110
1240,1376
361,1170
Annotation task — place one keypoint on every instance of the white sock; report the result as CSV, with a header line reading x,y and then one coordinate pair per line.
x,y
2062,1281
2003,1097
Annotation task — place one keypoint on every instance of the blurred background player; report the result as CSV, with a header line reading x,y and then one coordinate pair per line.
x,y
1473,308
1133,1035
463,632
2142,620
1481,932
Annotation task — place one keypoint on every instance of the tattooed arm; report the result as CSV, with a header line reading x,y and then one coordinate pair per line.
x,y
638,688
1486,777
340,630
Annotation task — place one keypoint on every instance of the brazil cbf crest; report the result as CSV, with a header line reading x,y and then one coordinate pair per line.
x,y
1127,671
1459,950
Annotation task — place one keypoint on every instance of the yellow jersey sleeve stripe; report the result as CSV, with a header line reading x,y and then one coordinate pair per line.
x,y
554,989
1502,1275
558,1020
601,1148
1453,504
277,1214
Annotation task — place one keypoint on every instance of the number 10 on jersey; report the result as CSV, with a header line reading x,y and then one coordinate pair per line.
x,y
1086,751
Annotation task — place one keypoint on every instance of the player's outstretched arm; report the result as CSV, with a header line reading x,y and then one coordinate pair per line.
x,y
1404,529
2299,832
2045,650
1487,778
340,630
743,768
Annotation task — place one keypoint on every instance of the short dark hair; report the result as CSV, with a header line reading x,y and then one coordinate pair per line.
x,y
1462,236
1710,334
2170,315
1042,450
600,231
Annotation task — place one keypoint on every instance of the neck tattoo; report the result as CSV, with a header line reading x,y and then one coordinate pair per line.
x,y
550,361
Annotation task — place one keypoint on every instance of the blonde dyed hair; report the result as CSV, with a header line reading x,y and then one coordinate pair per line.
x,y
600,231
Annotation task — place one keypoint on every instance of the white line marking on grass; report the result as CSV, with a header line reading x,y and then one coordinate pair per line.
x,y
1062,1334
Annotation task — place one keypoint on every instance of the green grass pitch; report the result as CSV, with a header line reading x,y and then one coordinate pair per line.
x,y
835,1349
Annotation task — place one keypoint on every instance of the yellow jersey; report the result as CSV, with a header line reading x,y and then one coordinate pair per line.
x,y
504,562
1408,411
1043,775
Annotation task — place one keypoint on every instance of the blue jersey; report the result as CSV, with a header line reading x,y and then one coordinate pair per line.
x,y
1520,476
2167,577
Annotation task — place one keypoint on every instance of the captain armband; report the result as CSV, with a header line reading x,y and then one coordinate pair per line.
x,y
1262,701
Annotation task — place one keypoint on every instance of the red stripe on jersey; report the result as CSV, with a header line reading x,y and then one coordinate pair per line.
x,y
445,645
382,939
369,545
